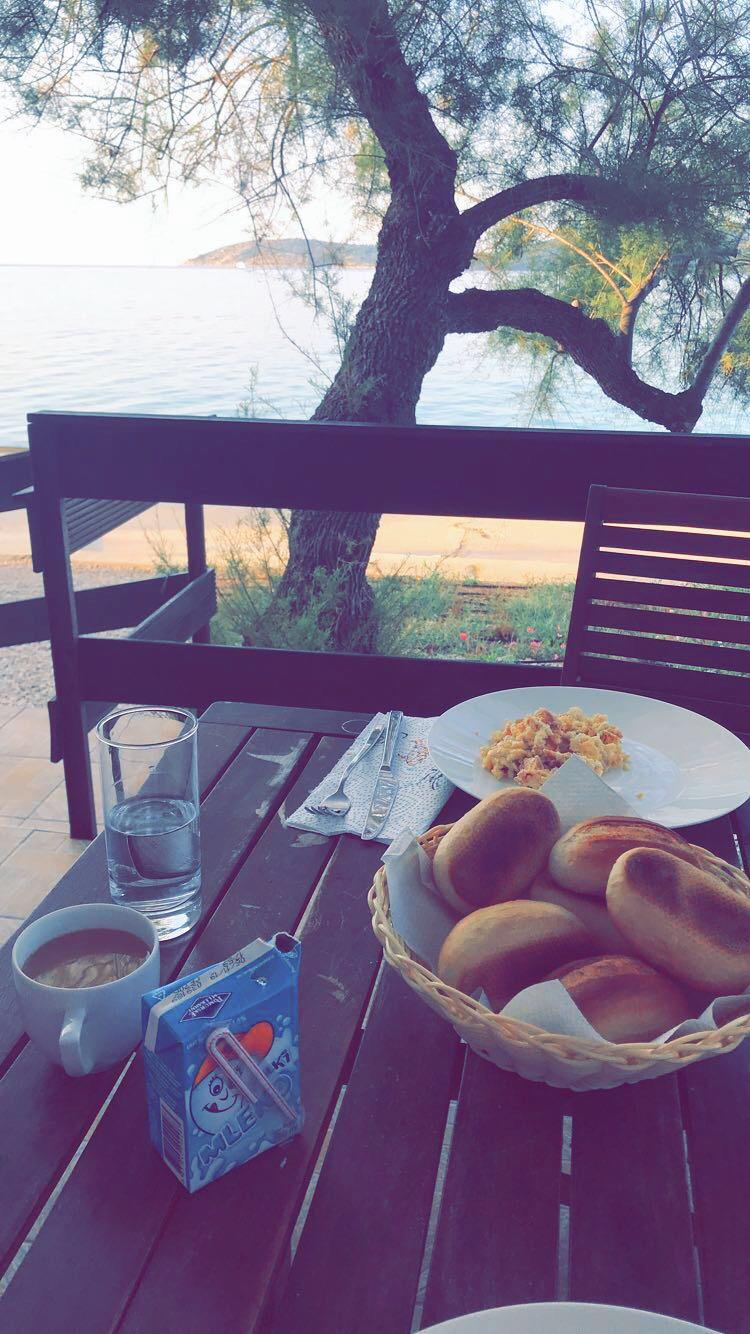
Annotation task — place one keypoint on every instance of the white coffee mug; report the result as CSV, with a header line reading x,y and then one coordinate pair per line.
x,y
85,1029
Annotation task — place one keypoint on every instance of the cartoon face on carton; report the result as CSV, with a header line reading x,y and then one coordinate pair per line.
x,y
213,1098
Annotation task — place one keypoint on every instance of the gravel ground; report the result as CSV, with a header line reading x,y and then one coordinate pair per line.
x,y
26,669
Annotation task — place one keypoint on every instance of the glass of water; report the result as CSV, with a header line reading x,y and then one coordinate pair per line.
x,y
149,767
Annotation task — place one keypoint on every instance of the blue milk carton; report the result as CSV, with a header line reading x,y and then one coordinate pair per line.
x,y
221,1053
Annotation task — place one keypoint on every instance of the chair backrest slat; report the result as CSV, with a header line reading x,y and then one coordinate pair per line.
x,y
681,509
690,542
686,652
708,628
722,574
675,683
725,602
662,601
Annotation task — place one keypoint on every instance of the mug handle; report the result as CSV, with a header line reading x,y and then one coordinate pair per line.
x,y
71,1054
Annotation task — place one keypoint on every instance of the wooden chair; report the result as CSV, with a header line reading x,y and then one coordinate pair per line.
x,y
662,600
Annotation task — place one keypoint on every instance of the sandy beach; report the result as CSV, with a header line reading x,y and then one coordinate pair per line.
x,y
503,551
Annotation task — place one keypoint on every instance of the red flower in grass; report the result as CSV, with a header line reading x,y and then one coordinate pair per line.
x,y
463,636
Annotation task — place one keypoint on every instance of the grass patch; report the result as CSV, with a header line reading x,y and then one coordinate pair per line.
x,y
421,611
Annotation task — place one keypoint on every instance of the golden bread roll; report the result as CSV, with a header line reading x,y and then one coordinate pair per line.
x,y
591,913
624,999
506,947
430,841
493,852
582,859
682,919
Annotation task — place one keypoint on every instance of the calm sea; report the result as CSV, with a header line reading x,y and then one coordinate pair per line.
x,y
182,340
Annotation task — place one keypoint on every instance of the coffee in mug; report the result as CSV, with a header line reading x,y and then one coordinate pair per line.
x,y
86,958
79,974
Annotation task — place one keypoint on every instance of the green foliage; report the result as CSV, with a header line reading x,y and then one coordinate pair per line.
x,y
600,266
421,612
650,97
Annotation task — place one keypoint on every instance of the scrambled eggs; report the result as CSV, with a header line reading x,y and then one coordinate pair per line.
x,y
530,749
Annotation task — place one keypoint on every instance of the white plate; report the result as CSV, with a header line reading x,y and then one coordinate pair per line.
x,y
565,1318
684,768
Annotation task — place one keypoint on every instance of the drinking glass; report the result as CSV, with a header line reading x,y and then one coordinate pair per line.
x,y
149,768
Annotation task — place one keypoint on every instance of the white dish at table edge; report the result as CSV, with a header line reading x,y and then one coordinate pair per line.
x,y
684,768
565,1318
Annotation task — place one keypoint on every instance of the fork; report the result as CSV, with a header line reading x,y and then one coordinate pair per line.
x,y
338,803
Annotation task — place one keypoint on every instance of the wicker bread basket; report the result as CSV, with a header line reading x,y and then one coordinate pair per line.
x,y
550,1058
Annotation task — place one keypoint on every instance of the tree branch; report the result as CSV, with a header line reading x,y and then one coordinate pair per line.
x,y
592,190
590,342
364,49
633,304
734,315
598,262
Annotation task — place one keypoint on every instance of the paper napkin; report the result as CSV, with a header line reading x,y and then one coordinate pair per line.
x,y
422,789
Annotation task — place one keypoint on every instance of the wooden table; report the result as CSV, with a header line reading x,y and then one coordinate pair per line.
x,y
636,1196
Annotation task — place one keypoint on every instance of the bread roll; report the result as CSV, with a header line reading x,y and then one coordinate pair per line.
x,y
508,946
494,851
591,913
430,841
582,859
682,919
624,999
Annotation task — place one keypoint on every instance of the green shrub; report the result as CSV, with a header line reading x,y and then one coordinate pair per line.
x,y
420,611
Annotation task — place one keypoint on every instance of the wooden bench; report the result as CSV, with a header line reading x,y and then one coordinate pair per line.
x,y
137,604
132,461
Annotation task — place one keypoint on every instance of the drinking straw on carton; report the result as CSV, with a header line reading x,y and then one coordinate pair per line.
x,y
225,1035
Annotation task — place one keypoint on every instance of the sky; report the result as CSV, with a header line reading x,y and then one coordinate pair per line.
x,y
46,218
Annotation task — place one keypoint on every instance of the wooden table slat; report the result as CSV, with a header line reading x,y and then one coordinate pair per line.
x,y
326,722
233,813
239,1226
715,1096
360,1252
630,1223
496,1241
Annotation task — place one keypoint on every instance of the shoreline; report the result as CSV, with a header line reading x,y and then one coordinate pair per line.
x,y
496,551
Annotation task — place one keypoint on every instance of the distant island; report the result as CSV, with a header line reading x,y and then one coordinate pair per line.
x,y
294,254
297,254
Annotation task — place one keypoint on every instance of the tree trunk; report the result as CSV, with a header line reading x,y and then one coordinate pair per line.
x,y
396,339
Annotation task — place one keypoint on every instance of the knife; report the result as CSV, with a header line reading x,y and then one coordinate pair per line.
x,y
387,784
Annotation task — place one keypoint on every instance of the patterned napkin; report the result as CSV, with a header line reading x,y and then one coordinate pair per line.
x,y
422,789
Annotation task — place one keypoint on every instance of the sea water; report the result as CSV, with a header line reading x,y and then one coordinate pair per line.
x,y
153,855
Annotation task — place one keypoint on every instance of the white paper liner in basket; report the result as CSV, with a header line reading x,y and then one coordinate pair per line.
x,y
542,1034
